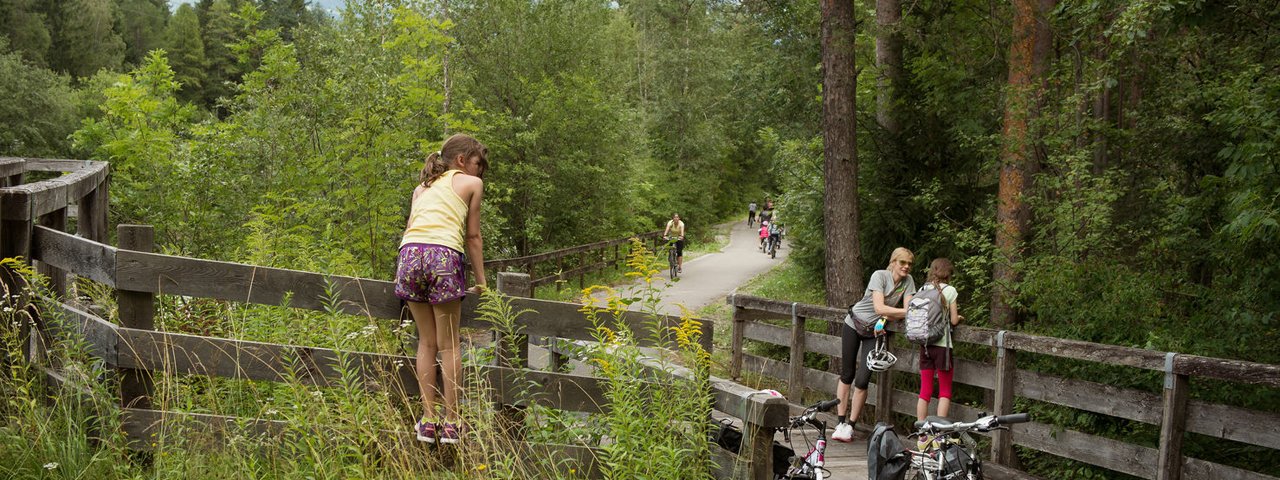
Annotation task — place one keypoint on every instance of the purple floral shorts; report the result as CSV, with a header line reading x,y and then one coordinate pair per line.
x,y
430,274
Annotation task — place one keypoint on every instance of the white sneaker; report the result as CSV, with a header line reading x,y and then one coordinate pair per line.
x,y
843,433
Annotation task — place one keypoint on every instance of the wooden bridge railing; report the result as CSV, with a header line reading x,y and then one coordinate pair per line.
x,y
29,228
549,267
1173,412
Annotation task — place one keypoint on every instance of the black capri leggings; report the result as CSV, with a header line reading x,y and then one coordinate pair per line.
x,y
855,347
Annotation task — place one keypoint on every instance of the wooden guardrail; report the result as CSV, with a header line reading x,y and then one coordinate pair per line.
x,y
556,266
1172,411
146,350
32,220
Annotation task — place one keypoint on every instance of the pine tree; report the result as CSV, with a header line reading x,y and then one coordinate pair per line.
x,y
84,40
218,33
186,53
24,24
142,27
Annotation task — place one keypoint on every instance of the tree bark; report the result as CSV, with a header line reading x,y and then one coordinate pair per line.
x,y
1028,59
889,65
840,154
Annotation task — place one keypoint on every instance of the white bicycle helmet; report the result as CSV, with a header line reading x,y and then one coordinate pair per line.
x,y
879,359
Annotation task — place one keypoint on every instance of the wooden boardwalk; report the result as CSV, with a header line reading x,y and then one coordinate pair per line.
x,y
845,461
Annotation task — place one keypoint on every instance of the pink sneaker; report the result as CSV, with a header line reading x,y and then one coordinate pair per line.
x,y
451,433
426,431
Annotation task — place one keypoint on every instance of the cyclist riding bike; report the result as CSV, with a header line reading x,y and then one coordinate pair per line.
x,y
675,228
751,214
775,234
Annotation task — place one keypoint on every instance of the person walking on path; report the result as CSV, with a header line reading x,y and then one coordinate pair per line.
x,y
887,292
444,219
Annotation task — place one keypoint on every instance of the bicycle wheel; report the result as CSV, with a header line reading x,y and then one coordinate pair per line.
x,y
671,264
773,249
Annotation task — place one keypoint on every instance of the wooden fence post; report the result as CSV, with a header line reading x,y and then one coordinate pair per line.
x,y
582,270
532,271
1173,422
795,383
137,310
739,331
92,217
1006,375
15,241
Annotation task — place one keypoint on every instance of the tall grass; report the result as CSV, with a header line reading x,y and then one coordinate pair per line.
x,y
348,428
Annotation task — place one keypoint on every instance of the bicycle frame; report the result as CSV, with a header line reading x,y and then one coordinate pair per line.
x,y
935,434
811,465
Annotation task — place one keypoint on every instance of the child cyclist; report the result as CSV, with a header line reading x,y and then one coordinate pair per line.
x,y
936,358
764,233
444,219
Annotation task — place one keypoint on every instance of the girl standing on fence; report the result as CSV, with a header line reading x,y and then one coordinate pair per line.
x,y
887,292
936,358
444,219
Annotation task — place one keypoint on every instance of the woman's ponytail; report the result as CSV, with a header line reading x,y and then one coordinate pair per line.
x,y
458,145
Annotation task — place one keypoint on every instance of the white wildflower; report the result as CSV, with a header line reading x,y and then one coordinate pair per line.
x,y
51,465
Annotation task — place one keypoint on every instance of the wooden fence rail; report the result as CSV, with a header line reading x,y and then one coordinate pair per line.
x,y
550,267
1172,410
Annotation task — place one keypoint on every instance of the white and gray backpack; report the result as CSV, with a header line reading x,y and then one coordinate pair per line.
x,y
928,316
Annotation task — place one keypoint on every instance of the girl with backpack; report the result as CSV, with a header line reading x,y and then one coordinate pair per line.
x,y
935,358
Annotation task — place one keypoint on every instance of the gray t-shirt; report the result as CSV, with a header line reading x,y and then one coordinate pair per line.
x,y
882,281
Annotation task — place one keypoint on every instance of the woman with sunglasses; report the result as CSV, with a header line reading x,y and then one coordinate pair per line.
x,y
888,291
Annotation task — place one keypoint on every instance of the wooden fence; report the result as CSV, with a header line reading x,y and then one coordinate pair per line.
x,y
32,223
556,266
1172,411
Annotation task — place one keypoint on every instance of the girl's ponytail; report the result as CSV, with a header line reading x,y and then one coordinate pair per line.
x,y
939,272
434,168
441,161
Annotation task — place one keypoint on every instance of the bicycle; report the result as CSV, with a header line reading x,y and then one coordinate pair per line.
x,y
673,261
810,465
945,449
771,246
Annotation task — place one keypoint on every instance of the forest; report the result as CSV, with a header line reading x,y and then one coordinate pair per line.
x,y
1101,170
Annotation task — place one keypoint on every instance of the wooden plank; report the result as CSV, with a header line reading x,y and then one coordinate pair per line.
x,y
795,377
1006,385
1196,468
768,333
1173,426
726,464
995,471
166,274
1224,369
74,254
1088,351
1090,396
1094,450
1234,423
10,166
56,220
739,335
15,203
93,208
218,357
100,336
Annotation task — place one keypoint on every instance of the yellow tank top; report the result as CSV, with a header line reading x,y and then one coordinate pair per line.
x,y
438,215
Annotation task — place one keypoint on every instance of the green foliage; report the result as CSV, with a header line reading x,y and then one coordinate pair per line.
x,y
656,421
141,25
38,112
24,25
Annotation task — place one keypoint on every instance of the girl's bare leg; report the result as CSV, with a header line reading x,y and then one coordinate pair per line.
x,y
448,316
424,318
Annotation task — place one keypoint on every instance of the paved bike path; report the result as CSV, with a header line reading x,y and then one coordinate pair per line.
x,y
711,277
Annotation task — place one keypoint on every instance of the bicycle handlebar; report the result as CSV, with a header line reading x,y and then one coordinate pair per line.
x,y
984,424
824,406
1014,418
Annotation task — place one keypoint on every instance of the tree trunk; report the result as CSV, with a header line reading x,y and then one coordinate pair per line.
x,y
1028,58
840,152
444,73
889,64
